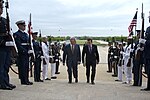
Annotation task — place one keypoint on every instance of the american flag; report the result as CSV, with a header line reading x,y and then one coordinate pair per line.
x,y
133,23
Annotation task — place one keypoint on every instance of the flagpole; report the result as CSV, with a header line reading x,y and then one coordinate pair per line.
x,y
136,25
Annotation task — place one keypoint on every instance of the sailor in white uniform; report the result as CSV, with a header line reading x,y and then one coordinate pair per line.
x,y
45,49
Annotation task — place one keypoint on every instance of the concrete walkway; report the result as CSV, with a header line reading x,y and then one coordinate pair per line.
x,y
104,89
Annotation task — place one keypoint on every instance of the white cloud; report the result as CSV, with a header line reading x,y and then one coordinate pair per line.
x,y
78,16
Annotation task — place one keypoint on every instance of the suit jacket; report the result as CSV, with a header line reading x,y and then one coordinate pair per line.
x,y
72,57
92,56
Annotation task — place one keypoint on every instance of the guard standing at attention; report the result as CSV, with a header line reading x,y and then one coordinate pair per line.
x,y
22,42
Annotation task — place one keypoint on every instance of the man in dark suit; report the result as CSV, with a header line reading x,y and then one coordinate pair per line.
x,y
92,58
72,56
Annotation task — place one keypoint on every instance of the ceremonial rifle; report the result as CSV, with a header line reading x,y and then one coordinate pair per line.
x,y
134,21
14,50
32,56
121,55
40,38
141,35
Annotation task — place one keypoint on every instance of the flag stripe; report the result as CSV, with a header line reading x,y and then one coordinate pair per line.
x,y
133,23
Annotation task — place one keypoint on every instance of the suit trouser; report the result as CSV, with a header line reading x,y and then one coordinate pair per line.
x,y
88,67
23,68
37,69
137,73
147,64
72,68
4,67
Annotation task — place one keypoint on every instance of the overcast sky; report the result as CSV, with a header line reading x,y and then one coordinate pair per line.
x,y
79,17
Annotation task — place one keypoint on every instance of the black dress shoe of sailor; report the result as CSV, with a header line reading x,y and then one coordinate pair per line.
x,y
6,88
146,89
12,86
30,83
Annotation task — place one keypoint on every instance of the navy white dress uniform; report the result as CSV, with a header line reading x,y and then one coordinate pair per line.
x,y
5,55
38,56
45,49
138,62
128,69
120,63
22,42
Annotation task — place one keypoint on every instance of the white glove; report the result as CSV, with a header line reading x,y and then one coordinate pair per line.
x,y
141,49
42,57
126,55
115,57
30,51
142,41
114,47
131,50
51,56
111,53
10,43
138,48
121,52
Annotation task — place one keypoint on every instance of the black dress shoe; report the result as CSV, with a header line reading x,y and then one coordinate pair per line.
x,y
12,86
47,79
114,75
30,83
118,80
6,88
124,82
41,81
109,71
70,82
25,84
76,80
57,73
146,89
54,77
92,83
87,81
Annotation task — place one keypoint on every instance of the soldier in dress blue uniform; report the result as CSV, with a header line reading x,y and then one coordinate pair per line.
x,y
22,42
38,55
146,52
57,55
137,62
5,55
109,57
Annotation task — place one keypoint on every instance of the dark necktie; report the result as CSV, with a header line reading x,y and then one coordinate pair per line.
x,y
90,48
72,48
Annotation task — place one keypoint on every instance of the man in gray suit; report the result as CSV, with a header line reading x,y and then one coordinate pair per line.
x,y
72,56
